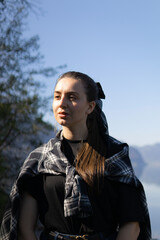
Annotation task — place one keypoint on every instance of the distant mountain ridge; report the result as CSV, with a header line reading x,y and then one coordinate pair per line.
x,y
150,153
137,160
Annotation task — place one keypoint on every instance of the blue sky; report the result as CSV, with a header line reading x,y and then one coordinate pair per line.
x,y
116,42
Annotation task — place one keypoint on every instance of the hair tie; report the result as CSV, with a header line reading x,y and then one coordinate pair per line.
x,y
101,94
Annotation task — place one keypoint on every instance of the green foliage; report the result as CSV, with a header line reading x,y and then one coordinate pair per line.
x,y
21,106
20,67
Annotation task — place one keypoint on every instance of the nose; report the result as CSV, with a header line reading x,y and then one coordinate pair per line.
x,y
63,102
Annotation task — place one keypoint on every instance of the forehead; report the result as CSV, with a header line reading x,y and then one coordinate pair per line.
x,y
69,85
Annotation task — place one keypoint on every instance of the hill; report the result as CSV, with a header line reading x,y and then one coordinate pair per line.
x,y
151,155
137,161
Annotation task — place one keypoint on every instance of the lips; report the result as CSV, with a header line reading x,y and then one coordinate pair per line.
x,y
63,114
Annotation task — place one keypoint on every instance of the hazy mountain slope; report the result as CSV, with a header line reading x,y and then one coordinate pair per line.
x,y
137,161
150,153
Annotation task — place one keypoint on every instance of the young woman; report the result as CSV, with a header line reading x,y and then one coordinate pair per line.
x,y
80,184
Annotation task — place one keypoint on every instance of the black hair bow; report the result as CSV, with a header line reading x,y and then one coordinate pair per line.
x,y
101,94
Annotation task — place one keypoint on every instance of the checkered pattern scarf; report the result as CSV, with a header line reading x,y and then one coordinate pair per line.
x,y
50,159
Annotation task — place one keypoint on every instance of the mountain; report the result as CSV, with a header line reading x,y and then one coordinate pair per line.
x,y
137,160
151,155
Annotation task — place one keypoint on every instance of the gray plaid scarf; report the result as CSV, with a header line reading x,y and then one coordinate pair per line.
x,y
50,159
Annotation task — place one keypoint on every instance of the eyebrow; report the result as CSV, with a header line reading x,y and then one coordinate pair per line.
x,y
72,92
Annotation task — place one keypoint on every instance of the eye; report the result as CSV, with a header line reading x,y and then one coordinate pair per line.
x,y
56,96
72,97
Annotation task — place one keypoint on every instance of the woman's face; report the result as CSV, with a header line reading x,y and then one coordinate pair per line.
x,y
70,105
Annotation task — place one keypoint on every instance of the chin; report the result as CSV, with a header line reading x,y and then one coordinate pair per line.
x,y
66,124
62,122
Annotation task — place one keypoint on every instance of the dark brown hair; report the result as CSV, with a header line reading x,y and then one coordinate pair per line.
x,y
90,159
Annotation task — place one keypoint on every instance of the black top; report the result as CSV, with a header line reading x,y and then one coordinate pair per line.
x,y
116,204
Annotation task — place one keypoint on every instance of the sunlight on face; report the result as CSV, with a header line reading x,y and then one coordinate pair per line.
x,y
70,105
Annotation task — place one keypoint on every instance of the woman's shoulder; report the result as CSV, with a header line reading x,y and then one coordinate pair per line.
x,y
115,141
37,156
42,150
115,146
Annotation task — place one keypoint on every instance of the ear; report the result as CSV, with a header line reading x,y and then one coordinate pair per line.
x,y
91,106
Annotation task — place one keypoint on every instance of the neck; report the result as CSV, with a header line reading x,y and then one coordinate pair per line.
x,y
70,134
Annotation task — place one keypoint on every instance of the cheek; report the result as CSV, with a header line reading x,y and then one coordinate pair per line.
x,y
80,110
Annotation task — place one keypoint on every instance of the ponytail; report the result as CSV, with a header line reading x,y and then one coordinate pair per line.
x,y
91,158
